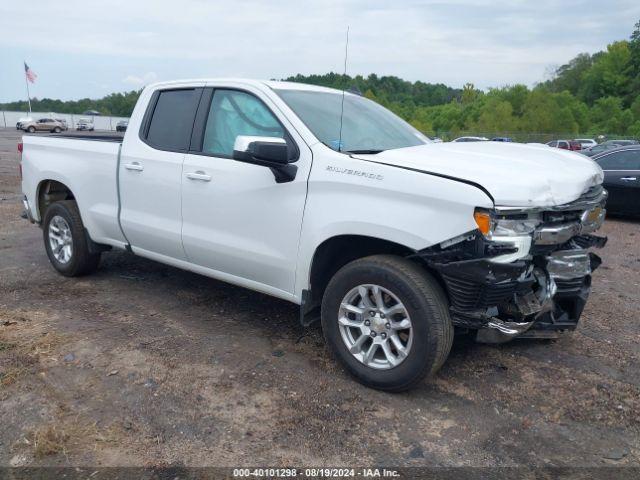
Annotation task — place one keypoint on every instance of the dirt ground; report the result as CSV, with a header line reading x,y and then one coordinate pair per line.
x,y
143,364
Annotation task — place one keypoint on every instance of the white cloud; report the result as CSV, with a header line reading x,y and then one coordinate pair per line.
x,y
487,42
139,81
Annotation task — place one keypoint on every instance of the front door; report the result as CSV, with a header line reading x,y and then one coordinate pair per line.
x,y
236,219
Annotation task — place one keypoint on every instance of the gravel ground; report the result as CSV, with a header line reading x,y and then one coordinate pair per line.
x,y
143,364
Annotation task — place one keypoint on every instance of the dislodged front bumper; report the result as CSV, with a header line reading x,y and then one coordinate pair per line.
x,y
540,293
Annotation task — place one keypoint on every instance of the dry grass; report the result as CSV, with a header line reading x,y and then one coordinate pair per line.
x,y
10,376
48,440
19,357
65,436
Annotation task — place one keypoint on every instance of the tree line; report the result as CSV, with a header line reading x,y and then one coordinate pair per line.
x,y
115,104
591,95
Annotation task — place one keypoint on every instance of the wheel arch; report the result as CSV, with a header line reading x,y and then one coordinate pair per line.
x,y
335,252
49,191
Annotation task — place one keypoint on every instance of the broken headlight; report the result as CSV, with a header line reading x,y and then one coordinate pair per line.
x,y
493,225
512,231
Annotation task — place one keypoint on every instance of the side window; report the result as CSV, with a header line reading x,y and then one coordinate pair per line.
x,y
236,113
627,160
172,120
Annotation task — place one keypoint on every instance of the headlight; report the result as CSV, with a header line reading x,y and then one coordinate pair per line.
x,y
492,225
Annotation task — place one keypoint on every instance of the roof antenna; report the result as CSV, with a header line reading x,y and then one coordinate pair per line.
x,y
346,52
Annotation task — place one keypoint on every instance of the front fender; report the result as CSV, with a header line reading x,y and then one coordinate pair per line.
x,y
409,208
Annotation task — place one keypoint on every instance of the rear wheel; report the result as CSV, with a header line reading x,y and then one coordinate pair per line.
x,y
57,130
65,240
387,321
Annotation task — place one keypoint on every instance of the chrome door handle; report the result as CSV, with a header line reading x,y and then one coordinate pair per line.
x,y
199,175
628,179
134,166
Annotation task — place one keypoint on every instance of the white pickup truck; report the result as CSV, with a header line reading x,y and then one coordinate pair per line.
x,y
328,200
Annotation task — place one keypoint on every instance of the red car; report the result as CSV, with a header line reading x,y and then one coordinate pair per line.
x,y
566,144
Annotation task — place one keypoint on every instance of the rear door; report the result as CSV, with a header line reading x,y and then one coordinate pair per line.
x,y
150,173
622,180
236,219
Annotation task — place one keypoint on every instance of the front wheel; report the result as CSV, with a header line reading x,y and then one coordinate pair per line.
x,y
65,240
31,129
57,130
386,319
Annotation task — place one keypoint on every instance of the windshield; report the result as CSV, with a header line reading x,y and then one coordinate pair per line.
x,y
366,126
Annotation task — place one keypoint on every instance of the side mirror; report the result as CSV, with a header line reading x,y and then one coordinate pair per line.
x,y
254,149
269,152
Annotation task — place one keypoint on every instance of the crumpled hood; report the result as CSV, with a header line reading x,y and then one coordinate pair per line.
x,y
514,174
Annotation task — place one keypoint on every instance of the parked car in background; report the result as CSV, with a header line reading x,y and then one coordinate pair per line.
x,y
595,150
502,139
63,122
44,125
23,120
85,124
470,139
621,168
122,125
608,145
92,113
586,142
621,143
572,145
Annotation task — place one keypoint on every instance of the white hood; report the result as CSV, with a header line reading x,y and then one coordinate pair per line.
x,y
515,174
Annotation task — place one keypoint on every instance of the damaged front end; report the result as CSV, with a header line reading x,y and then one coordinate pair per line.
x,y
524,272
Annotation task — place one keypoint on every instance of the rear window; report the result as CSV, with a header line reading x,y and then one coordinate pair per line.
x,y
172,120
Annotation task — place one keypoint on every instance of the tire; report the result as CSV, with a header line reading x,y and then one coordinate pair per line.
x,y
80,261
425,304
31,129
57,130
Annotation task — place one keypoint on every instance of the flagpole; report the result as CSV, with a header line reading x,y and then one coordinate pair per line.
x,y
26,82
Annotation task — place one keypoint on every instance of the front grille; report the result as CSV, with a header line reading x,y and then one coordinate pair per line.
x,y
469,295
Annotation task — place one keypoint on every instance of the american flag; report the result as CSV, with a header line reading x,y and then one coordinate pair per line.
x,y
31,75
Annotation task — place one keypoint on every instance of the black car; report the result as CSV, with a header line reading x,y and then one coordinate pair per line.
x,y
621,168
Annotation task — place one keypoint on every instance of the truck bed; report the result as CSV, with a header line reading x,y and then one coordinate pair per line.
x,y
87,165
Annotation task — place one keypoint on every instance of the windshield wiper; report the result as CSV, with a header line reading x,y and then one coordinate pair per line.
x,y
364,152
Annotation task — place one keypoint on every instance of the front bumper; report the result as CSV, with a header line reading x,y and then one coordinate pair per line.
x,y
513,290
520,297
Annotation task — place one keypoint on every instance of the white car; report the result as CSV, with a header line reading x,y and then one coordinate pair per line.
x,y
586,142
22,120
393,240
470,139
85,124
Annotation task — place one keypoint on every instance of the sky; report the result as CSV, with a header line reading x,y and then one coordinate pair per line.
x,y
83,48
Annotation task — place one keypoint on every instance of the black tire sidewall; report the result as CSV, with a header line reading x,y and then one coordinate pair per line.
x,y
423,354
79,248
